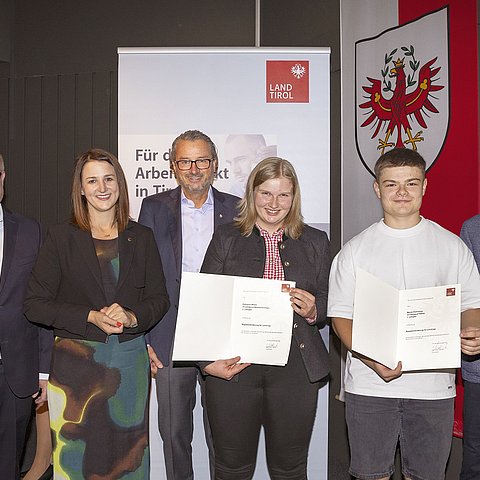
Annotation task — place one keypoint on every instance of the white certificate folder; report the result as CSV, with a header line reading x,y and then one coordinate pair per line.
x,y
419,327
222,316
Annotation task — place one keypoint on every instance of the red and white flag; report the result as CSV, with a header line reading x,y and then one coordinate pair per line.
x,y
409,79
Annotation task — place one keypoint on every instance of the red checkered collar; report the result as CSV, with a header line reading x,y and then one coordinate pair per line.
x,y
278,235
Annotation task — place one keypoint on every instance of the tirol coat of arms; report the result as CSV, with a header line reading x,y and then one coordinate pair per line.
x,y
406,106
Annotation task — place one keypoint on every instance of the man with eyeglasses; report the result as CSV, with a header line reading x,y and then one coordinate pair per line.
x,y
183,221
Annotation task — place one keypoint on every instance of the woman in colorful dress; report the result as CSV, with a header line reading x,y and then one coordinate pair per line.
x,y
99,283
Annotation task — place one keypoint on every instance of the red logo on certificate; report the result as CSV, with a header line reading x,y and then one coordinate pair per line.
x,y
450,292
287,81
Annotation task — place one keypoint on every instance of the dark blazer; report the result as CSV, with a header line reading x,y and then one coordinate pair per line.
x,y
66,282
305,260
162,213
25,348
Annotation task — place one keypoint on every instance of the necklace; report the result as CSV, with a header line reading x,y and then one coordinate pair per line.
x,y
100,233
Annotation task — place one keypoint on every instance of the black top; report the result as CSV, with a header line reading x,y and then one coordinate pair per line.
x,y
109,261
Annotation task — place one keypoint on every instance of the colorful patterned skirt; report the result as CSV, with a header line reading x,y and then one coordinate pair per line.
x,y
98,402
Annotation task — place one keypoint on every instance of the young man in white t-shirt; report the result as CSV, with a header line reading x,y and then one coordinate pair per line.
x,y
384,407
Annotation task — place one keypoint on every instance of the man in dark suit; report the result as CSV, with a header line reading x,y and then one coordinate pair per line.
x,y
24,348
183,221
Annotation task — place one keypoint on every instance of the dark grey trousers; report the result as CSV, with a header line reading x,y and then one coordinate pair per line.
x,y
14,417
176,392
471,432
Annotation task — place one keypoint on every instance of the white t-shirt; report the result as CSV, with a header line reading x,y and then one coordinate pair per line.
x,y
425,255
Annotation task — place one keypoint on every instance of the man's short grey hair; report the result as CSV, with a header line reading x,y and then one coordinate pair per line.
x,y
192,136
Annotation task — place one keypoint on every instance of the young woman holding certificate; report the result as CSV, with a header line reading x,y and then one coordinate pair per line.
x,y
269,239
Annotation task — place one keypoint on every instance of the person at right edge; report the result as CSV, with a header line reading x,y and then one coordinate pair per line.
x,y
470,234
269,239
388,407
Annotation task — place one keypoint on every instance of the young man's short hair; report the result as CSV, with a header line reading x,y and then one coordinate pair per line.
x,y
399,157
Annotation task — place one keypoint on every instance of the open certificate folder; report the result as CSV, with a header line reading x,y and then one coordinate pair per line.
x,y
222,316
419,327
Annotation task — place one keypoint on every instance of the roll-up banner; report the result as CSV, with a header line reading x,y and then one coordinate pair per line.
x,y
253,103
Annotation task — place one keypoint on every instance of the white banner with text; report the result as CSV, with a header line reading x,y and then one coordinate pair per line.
x,y
254,103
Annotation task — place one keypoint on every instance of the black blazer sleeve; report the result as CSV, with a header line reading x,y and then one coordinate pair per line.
x,y
148,299
322,247
46,304
217,252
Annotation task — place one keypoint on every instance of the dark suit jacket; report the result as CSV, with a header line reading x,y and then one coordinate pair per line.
x,y
66,282
306,261
25,348
162,213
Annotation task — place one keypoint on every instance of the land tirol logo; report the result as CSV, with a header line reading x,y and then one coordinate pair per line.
x,y
401,93
287,81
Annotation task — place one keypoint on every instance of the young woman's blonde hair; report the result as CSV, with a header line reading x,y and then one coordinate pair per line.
x,y
80,214
268,169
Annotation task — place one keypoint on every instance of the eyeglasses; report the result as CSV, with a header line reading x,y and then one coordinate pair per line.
x,y
201,164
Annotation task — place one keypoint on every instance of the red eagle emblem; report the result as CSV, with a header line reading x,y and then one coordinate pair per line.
x,y
401,106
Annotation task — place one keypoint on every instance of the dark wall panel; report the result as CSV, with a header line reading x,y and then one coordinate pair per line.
x,y
32,146
69,37
114,112
4,117
49,179
101,115
83,111
54,118
66,141
15,184
6,20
